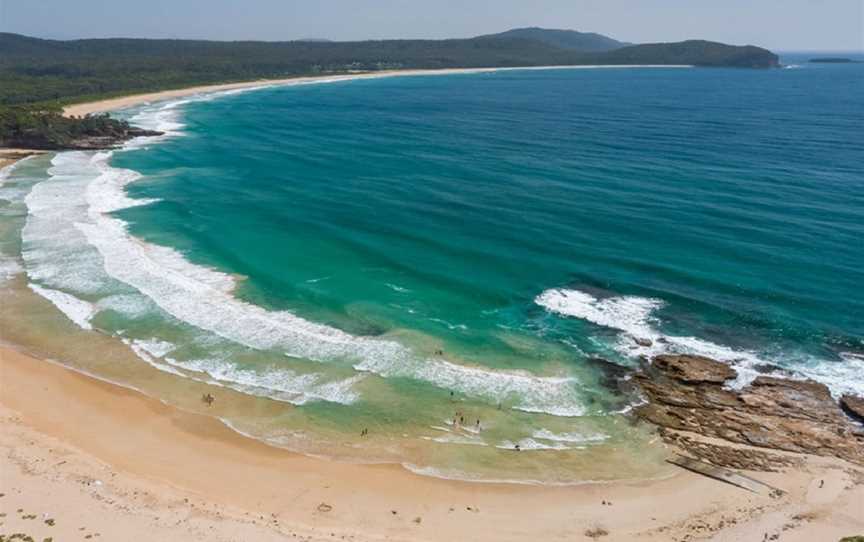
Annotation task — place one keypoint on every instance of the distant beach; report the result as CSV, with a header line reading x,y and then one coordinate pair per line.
x,y
114,104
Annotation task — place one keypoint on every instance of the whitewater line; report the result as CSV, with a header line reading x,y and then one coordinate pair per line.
x,y
633,316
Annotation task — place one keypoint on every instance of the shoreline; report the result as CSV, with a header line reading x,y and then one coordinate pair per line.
x,y
202,478
123,102
11,155
193,468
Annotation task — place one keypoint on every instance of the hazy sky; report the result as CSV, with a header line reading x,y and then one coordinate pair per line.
x,y
776,24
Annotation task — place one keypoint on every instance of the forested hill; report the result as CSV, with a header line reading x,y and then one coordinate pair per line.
x,y
37,70
564,39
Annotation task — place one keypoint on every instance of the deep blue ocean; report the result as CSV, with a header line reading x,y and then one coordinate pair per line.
x,y
373,251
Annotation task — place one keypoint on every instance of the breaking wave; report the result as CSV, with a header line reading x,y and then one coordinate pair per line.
x,y
633,316
75,309
74,246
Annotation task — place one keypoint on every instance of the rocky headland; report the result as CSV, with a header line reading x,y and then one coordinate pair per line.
x,y
690,400
46,128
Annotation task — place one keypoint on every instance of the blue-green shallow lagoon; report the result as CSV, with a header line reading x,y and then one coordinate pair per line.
x,y
392,254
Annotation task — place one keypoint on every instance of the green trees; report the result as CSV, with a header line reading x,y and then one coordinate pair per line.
x,y
38,76
34,70
44,127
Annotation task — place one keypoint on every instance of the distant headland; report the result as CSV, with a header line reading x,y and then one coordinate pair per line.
x,y
40,76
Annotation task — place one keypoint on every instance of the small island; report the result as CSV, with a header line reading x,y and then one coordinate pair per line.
x,y
834,60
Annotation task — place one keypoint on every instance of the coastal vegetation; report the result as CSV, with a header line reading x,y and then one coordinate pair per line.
x,y
565,39
43,126
51,73
37,70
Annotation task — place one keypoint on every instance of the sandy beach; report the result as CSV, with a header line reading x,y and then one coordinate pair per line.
x,y
9,156
81,457
113,104
84,459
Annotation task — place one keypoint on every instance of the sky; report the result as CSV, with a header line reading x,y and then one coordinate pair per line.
x,y
782,25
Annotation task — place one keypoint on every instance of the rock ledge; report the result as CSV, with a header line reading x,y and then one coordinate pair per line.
x,y
687,393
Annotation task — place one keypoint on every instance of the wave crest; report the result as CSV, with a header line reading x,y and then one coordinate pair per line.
x,y
633,316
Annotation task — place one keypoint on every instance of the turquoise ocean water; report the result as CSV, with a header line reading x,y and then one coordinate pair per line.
x,y
411,255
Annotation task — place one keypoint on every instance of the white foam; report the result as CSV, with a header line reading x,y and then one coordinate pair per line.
x,y
142,351
9,267
70,216
105,193
162,117
278,384
15,192
275,382
576,438
530,444
448,325
626,313
156,347
397,288
843,376
6,171
129,305
470,440
633,316
453,474
166,116
202,297
77,310
852,357
54,252
551,395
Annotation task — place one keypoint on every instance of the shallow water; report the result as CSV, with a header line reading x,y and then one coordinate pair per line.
x,y
393,254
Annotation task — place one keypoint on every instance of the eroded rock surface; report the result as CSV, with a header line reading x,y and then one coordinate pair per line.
x,y
688,393
730,455
694,369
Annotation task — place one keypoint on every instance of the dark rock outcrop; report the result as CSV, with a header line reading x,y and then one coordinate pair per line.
x,y
45,127
641,341
853,406
612,375
86,142
687,393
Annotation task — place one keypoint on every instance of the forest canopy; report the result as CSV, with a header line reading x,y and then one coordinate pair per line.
x,y
37,70
38,76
